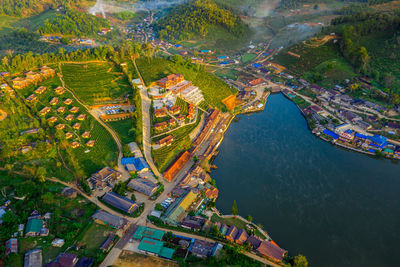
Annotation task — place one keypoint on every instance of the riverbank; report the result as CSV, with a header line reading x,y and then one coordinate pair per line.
x,y
337,142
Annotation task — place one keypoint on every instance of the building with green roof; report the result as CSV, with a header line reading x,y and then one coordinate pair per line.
x,y
155,247
143,231
33,227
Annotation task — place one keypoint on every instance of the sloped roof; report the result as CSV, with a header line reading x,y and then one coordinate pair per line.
x,y
271,251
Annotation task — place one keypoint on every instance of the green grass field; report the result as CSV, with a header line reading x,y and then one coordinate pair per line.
x,y
310,58
95,235
96,82
226,73
248,57
214,89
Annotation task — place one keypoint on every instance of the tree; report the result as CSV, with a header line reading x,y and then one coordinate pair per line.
x,y
168,236
249,218
300,261
133,197
214,230
234,210
159,207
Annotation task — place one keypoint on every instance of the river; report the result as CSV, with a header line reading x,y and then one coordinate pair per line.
x,y
338,208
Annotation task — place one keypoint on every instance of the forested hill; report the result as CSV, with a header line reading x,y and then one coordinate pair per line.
x,y
195,18
370,41
20,8
292,4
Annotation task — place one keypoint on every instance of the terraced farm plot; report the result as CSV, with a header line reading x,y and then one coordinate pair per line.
x,y
124,130
93,158
96,82
163,157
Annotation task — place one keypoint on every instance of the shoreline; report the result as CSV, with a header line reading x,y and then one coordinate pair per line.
x,y
336,143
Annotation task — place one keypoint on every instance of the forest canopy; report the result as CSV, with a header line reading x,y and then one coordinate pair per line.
x,y
195,18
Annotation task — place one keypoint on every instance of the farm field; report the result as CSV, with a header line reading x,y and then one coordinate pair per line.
x,y
95,82
123,129
310,57
164,156
91,159
95,235
248,57
214,89
227,73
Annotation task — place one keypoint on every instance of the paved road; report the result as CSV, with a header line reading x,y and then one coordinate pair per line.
x,y
146,104
117,249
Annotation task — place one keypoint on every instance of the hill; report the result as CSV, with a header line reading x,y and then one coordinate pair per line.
x,y
24,8
197,18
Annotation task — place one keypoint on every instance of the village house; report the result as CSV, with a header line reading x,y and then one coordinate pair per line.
x,y
40,90
171,123
69,135
86,134
193,223
59,90
90,143
103,177
61,109
74,110
19,83
135,150
47,72
33,227
143,186
134,164
254,241
12,246
68,101
176,166
54,101
166,141
60,126
81,117
170,80
33,77
190,115
69,117
32,98
203,249
174,110
159,113
116,117
33,258
75,144
180,118
52,119
272,251
192,94
120,202
160,126
105,218
231,233
76,126
44,111
177,211
58,242
241,237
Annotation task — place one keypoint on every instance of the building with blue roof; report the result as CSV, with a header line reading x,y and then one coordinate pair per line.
x,y
378,140
222,57
139,163
256,65
331,134
360,136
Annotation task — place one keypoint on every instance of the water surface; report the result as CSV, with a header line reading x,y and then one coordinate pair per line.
x,y
339,208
